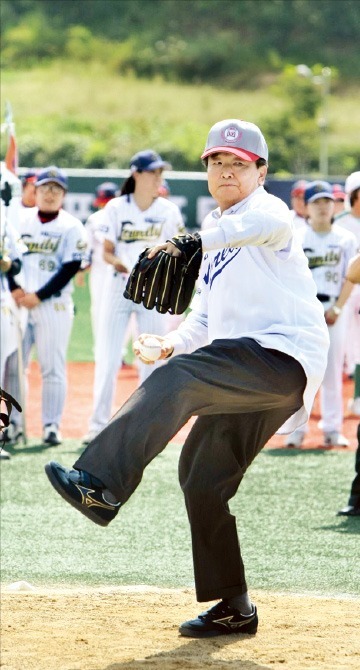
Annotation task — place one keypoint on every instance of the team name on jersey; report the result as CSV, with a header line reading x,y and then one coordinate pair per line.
x,y
48,246
130,234
217,264
331,258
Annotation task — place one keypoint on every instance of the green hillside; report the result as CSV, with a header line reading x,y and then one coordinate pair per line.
x,y
91,81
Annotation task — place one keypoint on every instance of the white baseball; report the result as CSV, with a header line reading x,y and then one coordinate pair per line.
x,y
150,349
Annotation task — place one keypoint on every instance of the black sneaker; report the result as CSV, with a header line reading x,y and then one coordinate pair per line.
x,y
220,620
82,491
51,435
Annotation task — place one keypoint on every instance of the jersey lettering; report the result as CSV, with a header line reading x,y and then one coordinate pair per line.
x,y
331,258
49,246
130,234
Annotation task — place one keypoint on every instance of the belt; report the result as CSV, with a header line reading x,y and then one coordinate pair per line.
x,y
323,297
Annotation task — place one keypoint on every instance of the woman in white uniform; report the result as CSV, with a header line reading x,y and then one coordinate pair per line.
x,y
139,218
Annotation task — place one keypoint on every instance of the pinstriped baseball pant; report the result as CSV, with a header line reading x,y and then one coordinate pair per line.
x,y
241,394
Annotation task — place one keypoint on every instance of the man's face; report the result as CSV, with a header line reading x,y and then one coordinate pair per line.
x,y
232,179
49,197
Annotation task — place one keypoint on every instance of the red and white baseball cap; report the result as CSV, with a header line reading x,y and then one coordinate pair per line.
x,y
242,138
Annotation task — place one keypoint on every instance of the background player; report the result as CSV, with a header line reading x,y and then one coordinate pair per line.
x,y
137,219
298,203
56,243
329,250
28,195
350,220
96,229
10,263
339,198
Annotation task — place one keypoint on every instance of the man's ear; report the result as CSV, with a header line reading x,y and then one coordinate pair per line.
x,y
262,175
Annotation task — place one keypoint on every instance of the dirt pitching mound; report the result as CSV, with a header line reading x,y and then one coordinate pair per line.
x,y
136,628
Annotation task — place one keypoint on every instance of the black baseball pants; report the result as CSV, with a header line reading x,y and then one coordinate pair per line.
x,y
241,394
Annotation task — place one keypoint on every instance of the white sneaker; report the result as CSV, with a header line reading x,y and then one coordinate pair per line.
x,y
89,437
4,455
295,439
354,406
335,439
51,435
12,434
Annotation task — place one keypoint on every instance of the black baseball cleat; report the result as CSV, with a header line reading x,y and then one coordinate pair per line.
x,y
220,620
82,491
349,510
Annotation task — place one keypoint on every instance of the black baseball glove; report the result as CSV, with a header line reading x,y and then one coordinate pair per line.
x,y
9,403
166,282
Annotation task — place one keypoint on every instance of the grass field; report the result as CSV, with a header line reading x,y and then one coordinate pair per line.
x,y
291,539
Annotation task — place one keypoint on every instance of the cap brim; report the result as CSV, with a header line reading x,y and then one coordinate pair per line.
x,y
317,196
51,181
241,153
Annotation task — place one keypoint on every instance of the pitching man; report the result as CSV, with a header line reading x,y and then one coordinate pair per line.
x,y
247,361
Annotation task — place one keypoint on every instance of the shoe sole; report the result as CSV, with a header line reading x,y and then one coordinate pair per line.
x,y
188,632
59,488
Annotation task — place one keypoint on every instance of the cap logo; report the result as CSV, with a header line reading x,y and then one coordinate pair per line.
x,y
53,173
318,188
231,134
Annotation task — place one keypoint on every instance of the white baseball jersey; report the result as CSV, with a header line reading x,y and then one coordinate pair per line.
x,y
130,230
328,255
49,246
255,282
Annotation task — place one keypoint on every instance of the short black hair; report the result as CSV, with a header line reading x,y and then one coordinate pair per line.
x,y
354,196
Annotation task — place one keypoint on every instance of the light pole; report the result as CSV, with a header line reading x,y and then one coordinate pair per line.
x,y
322,80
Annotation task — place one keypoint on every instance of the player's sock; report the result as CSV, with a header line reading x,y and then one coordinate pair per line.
x,y
242,603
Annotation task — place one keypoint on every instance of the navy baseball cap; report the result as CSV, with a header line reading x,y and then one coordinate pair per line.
x,y
234,136
146,161
318,189
52,174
